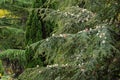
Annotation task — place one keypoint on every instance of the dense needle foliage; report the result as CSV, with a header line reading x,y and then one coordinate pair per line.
x,y
11,37
62,40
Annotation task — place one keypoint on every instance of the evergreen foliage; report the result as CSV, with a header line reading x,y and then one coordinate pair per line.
x,y
107,11
9,21
11,38
87,44
55,73
34,29
54,41
92,51
70,20
13,55
57,4
12,35
1,68
37,28
31,61
14,61
17,8
65,40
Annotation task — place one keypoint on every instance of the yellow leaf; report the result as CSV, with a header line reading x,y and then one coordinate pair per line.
x,y
3,12
0,75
